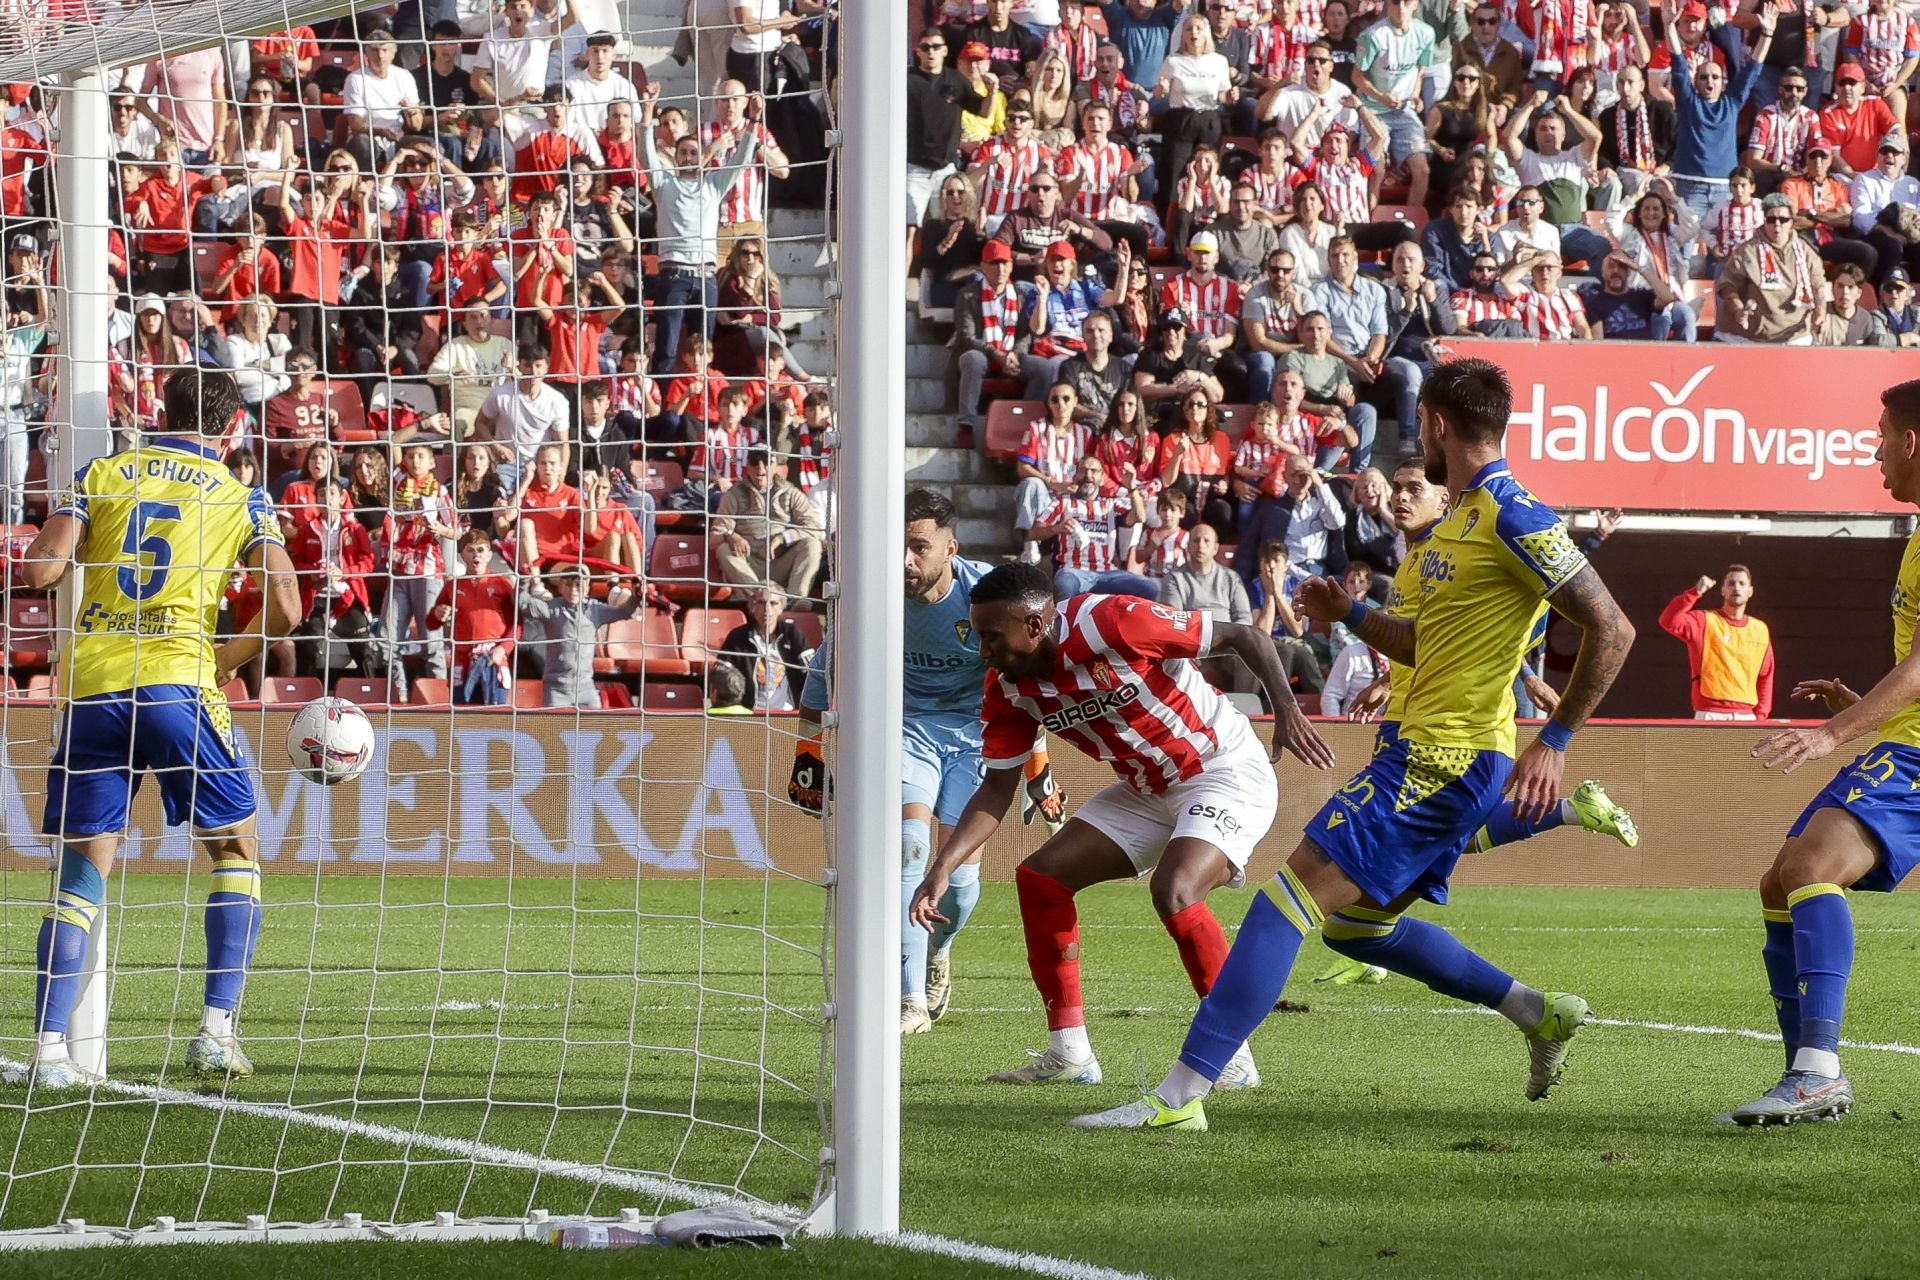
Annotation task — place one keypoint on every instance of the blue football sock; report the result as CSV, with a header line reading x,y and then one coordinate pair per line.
x,y
1782,976
233,928
1254,975
1419,949
60,955
1823,959
1504,826
916,842
963,892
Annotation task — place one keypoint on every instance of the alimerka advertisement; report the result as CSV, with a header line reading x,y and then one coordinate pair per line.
x,y
1702,427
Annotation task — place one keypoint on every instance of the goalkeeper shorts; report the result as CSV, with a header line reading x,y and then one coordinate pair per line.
x,y
940,763
181,734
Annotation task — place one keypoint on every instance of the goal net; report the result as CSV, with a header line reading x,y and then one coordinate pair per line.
x,y
566,946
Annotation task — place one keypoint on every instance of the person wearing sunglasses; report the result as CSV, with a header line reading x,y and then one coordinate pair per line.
x,y
1005,165
937,95
1707,105
1888,193
1043,221
1305,111
1770,288
1557,172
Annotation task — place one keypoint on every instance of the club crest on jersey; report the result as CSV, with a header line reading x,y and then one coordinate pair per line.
x,y
1102,673
1473,518
963,630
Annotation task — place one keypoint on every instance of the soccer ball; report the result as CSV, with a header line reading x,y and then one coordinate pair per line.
x,y
330,741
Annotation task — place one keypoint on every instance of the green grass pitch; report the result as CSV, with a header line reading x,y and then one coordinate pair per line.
x,y
1390,1137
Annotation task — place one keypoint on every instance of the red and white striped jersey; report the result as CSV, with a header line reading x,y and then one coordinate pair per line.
x,y
1079,46
746,199
1882,43
1101,173
1473,307
1549,315
1302,431
1273,191
1208,207
1782,137
1616,55
1258,456
1123,689
629,393
1280,53
722,456
1166,552
1055,454
1099,518
1210,308
1008,167
1313,14
1727,225
1349,199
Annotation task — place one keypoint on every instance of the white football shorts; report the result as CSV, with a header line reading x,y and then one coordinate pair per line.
x,y
1230,804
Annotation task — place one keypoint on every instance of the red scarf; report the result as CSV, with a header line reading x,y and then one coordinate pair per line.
x,y
999,317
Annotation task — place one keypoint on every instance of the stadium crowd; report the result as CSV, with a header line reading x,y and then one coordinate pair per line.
x,y
1210,245
499,311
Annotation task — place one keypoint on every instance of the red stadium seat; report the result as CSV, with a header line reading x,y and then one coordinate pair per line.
x,y
29,631
1236,420
669,695
613,695
364,692
810,626
647,645
1008,422
429,692
40,687
703,631
529,695
1411,213
290,691
663,478
235,690
678,567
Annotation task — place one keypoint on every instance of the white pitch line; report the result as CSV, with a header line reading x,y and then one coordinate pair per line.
x,y
487,1153
1698,1029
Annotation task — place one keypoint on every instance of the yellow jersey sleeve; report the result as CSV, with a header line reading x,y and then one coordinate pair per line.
x,y
166,524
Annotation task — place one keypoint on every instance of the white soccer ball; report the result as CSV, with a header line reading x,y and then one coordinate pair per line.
x,y
330,741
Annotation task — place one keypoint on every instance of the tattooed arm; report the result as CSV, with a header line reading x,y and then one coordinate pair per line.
x,y
1326,600
1606,636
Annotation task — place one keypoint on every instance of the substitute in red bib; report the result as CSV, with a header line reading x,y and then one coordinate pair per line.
x,y
1114,675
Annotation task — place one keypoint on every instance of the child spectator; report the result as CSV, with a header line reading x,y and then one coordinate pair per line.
x,y
612,533
1165,546
479,605
599,443
722,458
417,564
334,558
692,400
552,513
480,497
562,622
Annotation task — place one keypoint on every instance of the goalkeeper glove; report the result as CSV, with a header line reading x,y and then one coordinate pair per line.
x,y
809,784
1042,797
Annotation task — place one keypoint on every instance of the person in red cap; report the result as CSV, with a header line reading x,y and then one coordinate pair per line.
x,y
1853,122
993,337
1692,26
1064,298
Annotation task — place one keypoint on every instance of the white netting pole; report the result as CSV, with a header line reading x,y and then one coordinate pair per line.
x,y
81,427
866,836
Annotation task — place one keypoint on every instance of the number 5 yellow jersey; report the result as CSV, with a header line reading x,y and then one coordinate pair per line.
x,y
166,523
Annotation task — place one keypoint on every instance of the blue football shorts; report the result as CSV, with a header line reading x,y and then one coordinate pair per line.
x,y
181,734
1878,791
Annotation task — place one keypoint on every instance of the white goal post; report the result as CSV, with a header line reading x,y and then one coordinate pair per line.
x,y
65,47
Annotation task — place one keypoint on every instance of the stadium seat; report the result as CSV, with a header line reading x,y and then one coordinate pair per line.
x,y
663,478
529,695
669,695
210,257
235,690
29,631
614,695
1160,276
416,395
810,626
431,325
343,397
1411,213
678,567
40,688
703,631
1008,422
364,692
290,691
647,645
429,692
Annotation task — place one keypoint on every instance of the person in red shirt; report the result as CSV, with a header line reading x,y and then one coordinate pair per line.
x,y
619,145
1729,653
465,272
299,502
252,269
287,57
541,254
616,534
553,515
692,397
575,328
541,162
334,557
1195,790
1853,122
157,211
480,605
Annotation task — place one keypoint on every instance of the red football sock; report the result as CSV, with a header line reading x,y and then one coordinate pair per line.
x,y
1053,945
1203,947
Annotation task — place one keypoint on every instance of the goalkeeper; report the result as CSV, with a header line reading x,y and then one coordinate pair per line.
x,y
941,766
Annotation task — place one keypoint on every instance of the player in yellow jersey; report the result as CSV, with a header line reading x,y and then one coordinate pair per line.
x,y
153,534
1861,832
1392,835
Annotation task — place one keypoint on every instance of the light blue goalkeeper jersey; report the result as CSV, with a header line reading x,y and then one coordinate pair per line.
x,y
944,675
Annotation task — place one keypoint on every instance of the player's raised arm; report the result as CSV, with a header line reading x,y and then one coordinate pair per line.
x,y
1292,731
51,554
280,588
1606,636
1326,600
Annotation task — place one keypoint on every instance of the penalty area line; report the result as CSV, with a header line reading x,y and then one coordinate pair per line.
x,y
1700,1029
648,1185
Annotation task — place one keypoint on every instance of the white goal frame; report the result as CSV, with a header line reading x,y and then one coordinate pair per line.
x,y
862,827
